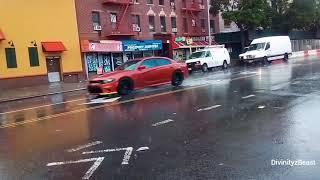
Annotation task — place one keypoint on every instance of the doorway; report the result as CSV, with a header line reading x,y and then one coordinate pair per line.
x,y
53,68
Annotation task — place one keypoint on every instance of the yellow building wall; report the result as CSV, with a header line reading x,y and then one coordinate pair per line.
x,y
23,21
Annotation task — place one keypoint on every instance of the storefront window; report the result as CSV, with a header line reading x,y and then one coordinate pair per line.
x,y
138,54
148,53
95,60
117,59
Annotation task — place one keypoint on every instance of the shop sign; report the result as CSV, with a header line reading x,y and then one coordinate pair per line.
x,y
106,46
194,39
149,45
189,41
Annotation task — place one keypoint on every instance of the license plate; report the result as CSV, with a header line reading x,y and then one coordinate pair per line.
x,y
189,69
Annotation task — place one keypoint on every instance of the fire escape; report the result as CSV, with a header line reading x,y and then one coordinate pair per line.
x,y
191,9
120,25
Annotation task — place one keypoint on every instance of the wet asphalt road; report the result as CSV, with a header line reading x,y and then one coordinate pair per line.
x,y
219,125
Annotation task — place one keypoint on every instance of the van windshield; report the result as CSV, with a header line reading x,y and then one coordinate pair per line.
x,y
256,46
199,54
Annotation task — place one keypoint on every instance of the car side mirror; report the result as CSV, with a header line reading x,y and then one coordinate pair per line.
x,y
141,68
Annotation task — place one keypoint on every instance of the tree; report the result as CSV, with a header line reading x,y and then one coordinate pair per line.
x,y
247,14
304,14
280,9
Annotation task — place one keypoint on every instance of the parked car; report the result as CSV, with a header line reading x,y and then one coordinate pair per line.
x,y
208,58
267,49
137,74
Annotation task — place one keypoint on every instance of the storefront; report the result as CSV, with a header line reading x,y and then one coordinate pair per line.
x,y
137,49
106,54
184,46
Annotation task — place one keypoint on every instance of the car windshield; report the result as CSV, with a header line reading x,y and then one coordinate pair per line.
x,y
198,54
256,46
129,65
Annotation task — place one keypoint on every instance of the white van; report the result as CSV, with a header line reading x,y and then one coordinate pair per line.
x,y
208,58
267,49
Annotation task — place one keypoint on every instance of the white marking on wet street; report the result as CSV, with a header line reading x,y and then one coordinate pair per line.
x,y
89,173
249,96
84,146
162,122
261,107
126,156
142,149
208,108
102,100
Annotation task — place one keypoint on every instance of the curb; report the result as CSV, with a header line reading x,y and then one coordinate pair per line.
x,y
40,95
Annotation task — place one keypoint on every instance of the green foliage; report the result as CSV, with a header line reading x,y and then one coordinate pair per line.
x,y
247,14
281,15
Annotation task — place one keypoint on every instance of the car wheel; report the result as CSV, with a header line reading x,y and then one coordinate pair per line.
x,y
125,87
265,61
286,57
225,65
204,68
177,79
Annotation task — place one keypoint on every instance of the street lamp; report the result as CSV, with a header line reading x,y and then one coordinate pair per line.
x,y
208,14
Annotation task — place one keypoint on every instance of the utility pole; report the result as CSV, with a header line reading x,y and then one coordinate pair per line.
x,y
209,29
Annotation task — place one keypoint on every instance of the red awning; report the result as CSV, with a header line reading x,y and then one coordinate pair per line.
x,y
56,46
196,44
2,36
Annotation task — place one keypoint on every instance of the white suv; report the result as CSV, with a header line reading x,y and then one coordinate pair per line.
x,y
208,58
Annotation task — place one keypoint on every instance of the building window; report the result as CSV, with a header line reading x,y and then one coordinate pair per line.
x,y
11,57
185,25
163,24
152,27
136,23
212,26
173,22
113,17
33,56
96,18
161,2
149,1
202,22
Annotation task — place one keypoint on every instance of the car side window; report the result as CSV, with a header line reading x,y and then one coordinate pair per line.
x,y
268,46
150,63
163,62
208,54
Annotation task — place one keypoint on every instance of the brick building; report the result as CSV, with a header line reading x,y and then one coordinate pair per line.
x,y
112,31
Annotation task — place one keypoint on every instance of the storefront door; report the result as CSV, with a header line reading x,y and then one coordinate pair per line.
x,y
53,68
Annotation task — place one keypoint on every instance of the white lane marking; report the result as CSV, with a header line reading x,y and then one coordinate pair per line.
x,y
208,108
102,100
37,107
93,168
162,122
105,151
249,96
84,146
261,107
143,149
126,156
89,173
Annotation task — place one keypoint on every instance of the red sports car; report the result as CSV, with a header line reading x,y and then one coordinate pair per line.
x,y
137,74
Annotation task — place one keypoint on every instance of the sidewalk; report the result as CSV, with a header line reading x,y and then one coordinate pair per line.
x,y
41,90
